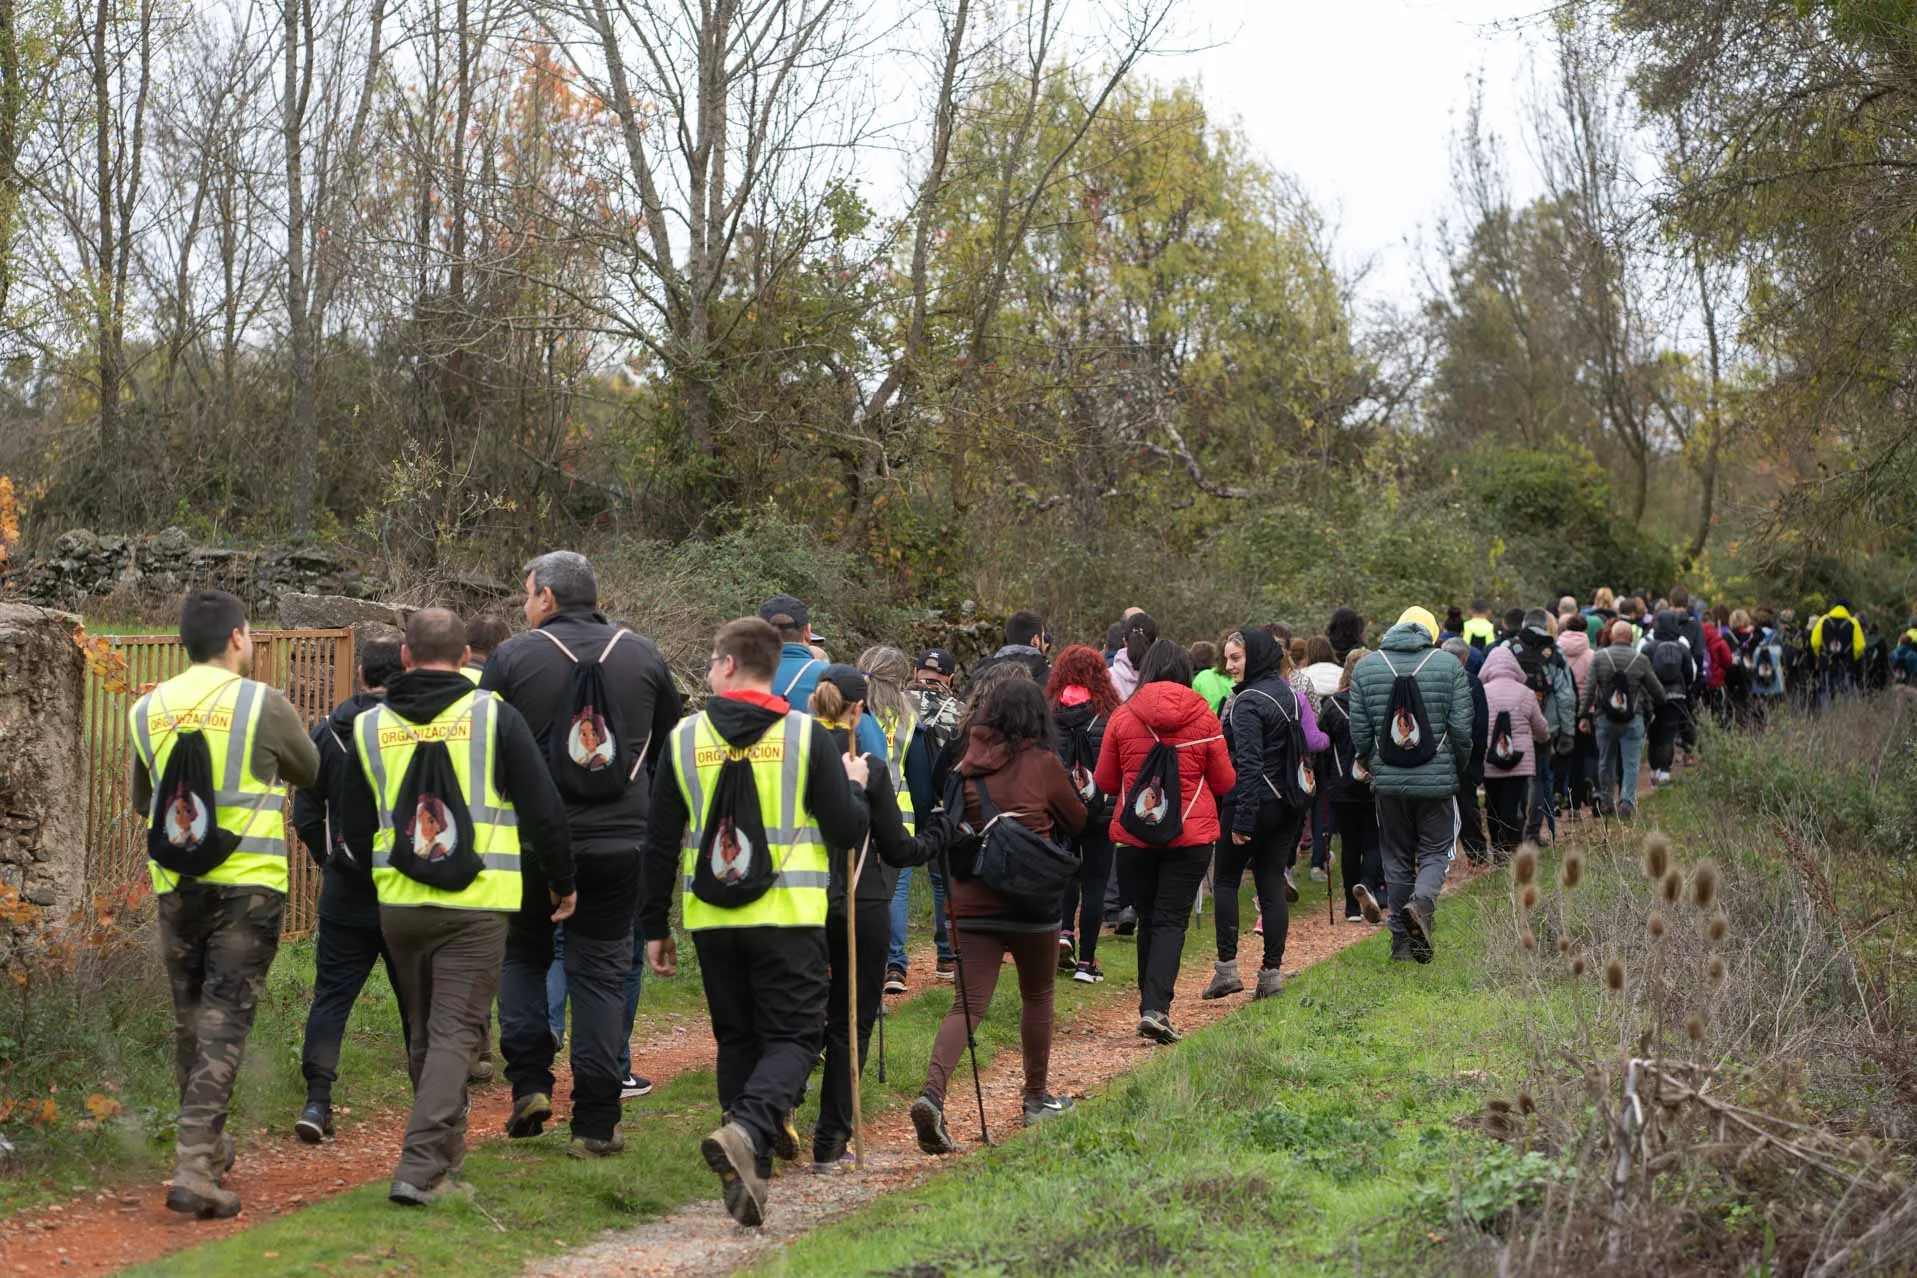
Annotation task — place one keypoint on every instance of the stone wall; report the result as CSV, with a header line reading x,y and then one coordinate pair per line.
x,y
43,806
154,571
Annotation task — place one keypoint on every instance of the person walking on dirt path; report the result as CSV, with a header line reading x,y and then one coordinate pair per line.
x,y
347,941
909,758
1008,768
456,802
1347,778
938,710
1167,818
1083,701
1411,719
601,703
1471,835
211,748
1139,633
1272,739
1519,733
1621,693
1025,643
748,795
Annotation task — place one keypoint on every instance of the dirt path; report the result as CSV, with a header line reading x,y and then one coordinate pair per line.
x,y
1087,1053
107,1230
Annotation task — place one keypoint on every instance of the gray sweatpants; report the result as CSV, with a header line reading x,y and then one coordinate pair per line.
x,y
1416,837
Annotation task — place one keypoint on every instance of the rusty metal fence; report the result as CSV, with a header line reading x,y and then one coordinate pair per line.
x,y
314,668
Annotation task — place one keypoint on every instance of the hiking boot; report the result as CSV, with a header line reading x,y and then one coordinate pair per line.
x,y
407,1194
1157,1027
1224,980
1040,1108
895,980
1318,874
315,1123
589,1147
1269,984
928,1120
229,1154
1368,907
530,1115
1291,897
785,1141
1417,936
1627,812
481,1072
1067,953
730,1153
1127,922
946,970
1089,973
195,1191
633,1086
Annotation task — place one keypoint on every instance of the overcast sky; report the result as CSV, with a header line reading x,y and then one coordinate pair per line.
x,y
1359,99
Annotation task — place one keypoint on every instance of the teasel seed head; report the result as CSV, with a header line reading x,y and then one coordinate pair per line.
x,y
1719,927
1716,969
1672,888
1528,939
1526,1104
1524,866
1564,946
1614,976
1578,966
1655,926
1657,856
1694,1027
1529,897
1704,885
1572,872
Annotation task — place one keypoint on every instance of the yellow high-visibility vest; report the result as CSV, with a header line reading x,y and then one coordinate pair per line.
x,y
898,741
469,727
226,710
780,767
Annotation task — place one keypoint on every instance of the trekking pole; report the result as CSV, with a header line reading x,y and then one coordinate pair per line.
x,y
884,1015
965,1006
852,1005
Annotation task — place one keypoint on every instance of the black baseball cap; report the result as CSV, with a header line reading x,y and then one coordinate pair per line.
x,y
786,606
847,679
938,659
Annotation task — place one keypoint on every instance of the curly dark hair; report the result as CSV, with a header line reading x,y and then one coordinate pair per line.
x,y
1016,711
1084,667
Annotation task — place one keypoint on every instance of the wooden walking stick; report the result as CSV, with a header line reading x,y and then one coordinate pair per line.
x,y
852,1004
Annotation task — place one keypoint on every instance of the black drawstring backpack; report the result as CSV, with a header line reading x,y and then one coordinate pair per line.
x,y
434,842
1407,741
1293,781
1499,753
591,762
184,835
734,866
1151,813
1619,706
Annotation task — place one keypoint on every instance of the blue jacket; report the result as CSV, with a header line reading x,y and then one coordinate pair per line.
x,y
798,676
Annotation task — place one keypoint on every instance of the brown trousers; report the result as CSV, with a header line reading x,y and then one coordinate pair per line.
x,y
980,955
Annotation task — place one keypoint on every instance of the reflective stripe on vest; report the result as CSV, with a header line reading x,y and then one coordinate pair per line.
x,y
385,743
797,897
226,709
896,751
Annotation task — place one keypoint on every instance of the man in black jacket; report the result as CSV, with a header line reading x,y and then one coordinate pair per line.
x,y
1026,643
348,940
1470,815
533,672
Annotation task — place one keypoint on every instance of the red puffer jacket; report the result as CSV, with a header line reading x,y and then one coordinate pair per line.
x,y
1721,657
1181,718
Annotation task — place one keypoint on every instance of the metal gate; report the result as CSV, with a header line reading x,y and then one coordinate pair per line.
x,y
314,668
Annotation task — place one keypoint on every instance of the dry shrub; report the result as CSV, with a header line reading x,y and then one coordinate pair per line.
x,y
1717,1099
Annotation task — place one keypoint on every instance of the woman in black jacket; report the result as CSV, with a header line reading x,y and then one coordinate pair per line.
x,y
1261,818
1082,699
1347,782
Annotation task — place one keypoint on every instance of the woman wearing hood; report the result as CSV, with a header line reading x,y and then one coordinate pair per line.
x,y
1008,762
1163,880
1575,773
1271,735
1517,731
1676,668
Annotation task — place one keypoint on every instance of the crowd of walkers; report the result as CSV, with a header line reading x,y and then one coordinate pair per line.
x,y
508,819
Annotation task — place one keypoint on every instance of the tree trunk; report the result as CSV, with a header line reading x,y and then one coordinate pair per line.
x,y
304,477
12,100
106,344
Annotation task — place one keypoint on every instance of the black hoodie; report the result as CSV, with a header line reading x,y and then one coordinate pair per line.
x,y
519,774
838,808
346,890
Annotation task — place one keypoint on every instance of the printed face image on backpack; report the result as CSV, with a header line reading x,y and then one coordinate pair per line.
x,y
1307,779
1082,782
186,820
1359,772
1151,805
435,831
732,852
588,743
1404,729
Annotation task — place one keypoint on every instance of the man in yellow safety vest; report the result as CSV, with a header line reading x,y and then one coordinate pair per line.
x,y
459,794
747,795
211,748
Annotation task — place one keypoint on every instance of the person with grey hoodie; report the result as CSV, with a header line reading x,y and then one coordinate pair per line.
x,y
1417,807
1621,689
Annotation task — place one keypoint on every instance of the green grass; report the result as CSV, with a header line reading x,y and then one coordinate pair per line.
x,y
1294,1136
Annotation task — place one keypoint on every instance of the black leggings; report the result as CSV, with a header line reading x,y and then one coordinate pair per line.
x,y
1506,798
1362,860
1085,894
1268,853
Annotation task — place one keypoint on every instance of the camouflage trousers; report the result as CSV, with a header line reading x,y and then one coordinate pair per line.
x,y
218,942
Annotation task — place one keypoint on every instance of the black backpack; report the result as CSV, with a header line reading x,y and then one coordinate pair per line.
x,y
1081,762
1293,781
733,867
586,749
1407,741
1350,780
1020,864
1151,813
432,826
1667,663
1498,753
1838,633
1619,705
185,835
